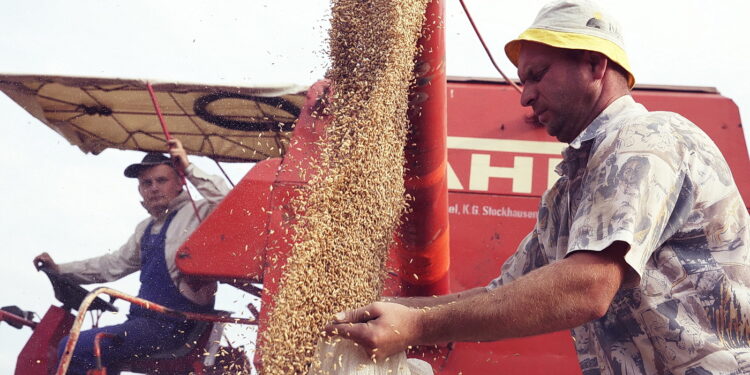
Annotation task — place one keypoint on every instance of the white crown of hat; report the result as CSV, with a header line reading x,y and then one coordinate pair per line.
x,y
579,17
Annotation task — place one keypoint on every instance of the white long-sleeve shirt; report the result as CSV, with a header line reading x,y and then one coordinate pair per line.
x,y
127,259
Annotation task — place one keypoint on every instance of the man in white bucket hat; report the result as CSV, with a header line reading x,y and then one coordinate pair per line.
x,y
641,248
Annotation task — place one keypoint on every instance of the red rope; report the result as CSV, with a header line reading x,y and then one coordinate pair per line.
x,y
169,137
489,54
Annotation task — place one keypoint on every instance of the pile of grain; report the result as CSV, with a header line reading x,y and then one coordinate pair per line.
x,y
356,198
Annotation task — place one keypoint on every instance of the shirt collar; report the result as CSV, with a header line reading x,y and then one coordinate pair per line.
x,y
179,200
596,127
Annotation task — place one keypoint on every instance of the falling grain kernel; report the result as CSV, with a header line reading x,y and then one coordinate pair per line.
x,y
355,196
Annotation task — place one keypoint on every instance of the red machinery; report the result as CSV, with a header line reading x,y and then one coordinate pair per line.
x,y
39,355
474,137
497,167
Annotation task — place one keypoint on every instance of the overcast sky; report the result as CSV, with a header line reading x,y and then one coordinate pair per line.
x,y
72,205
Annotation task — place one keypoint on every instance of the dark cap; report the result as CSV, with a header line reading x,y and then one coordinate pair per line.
x,y
151,159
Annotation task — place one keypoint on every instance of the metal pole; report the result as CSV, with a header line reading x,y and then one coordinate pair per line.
x,y
168,137
423,246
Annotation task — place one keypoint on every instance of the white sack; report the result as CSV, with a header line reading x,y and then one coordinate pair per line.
x,y
343,357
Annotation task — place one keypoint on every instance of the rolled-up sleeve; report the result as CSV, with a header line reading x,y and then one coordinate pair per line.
x,y
634,187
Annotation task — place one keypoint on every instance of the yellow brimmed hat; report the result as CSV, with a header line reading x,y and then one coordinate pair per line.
x,y
575,24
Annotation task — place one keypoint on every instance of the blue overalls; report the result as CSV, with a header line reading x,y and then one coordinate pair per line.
x,y
145,331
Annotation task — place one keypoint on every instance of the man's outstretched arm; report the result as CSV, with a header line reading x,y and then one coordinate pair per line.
x,y
432,301
559,296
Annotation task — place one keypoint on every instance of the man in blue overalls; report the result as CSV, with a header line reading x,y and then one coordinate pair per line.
x,y
151,250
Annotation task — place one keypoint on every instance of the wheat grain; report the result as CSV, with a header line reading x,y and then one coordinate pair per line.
x,y
356,195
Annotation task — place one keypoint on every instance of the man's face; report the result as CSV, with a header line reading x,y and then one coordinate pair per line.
x,y
158,185
557,87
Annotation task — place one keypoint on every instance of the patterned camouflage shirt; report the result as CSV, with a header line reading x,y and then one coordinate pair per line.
x,y
657,182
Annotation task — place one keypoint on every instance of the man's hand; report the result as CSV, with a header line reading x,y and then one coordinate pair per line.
x,y
44,260
382,329
178,154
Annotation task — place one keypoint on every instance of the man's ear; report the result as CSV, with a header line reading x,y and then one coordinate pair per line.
x,y
596,62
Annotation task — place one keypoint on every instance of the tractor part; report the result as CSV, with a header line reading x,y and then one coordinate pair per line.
x,y
17,318
100,370
423,246
76,329
39,355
